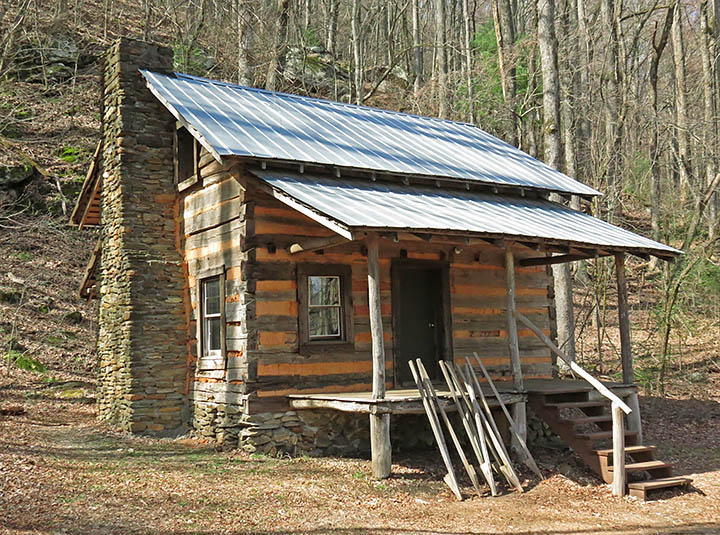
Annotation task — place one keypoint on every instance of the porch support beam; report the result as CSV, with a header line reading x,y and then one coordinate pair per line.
x,y
380,448
550,260
519,409
624,320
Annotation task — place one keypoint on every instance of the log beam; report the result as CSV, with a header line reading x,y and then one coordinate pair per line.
x,y
380,448
624,318
519,411
316,244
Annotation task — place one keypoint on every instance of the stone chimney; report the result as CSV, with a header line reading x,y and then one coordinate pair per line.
x,y
142,341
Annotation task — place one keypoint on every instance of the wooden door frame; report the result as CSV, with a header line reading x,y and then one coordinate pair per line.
x,y
396,266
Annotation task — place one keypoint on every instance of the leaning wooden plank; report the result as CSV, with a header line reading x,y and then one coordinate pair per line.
x,y
479,422
528,458
439,438
431,394
506,467
488,421
476,437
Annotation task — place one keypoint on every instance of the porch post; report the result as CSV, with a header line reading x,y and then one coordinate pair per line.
x,y
381,450
519,412
624,319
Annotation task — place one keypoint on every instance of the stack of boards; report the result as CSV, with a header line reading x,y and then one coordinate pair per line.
x,y
477,421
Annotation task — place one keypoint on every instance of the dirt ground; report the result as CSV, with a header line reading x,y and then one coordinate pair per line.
x,y
62,472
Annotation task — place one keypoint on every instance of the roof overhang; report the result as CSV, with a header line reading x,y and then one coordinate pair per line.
x,y
352,208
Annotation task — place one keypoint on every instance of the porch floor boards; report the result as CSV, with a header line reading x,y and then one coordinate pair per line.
x,y
407,400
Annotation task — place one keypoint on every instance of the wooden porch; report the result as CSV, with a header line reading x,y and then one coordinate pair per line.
x,y
408,401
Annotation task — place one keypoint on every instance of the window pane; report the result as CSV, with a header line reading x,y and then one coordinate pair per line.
x,y
212,334
324,290
211,289
324,321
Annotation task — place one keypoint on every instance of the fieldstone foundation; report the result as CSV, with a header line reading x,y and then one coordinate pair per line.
x,y
312,432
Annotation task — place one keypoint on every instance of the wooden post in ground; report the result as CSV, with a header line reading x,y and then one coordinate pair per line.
x,y
618,430
380,448
519,414
624,318
634,420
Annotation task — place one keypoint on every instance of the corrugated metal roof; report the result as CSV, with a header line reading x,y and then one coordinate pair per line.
x,y
359,205
243,121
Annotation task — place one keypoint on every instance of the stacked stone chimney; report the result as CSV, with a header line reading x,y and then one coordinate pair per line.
x,y
142,345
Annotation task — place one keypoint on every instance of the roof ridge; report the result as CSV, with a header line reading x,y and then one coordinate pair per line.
x,y
319,100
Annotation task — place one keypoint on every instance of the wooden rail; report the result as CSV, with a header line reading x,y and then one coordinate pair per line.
x,y
618,406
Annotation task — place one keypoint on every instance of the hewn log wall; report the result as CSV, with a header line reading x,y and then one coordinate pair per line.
x,y
214,222
278,363
478,303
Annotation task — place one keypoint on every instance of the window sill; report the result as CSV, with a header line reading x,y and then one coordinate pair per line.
x,y
188,182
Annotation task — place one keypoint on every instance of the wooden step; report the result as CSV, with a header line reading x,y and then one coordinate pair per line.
x,y
588,419
577,404
639,489
644,466
602,435
628,449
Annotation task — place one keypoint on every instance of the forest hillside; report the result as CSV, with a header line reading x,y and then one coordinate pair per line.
x,y
622,96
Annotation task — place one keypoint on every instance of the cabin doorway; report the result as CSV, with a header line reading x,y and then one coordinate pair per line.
x,y
419,317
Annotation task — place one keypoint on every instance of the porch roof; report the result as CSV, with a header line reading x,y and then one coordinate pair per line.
x,y
349,206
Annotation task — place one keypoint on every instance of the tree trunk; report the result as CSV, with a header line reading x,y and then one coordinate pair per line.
x,y
530,141
277,61
583,92
357,51
505,36
332,18
681,110
552,156
468,61
710,131
551,84
417,49
611,80
441,58
655,189
245,43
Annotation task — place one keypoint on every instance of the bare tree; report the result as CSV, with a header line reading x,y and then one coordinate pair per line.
x,y
505,36
277,60
244,42
441,59
417,48
682,122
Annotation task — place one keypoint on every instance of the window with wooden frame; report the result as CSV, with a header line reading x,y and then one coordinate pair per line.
x,y
325,299
187,158
211,319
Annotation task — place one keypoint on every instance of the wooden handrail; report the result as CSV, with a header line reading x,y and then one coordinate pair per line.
x,y
605,391
618,407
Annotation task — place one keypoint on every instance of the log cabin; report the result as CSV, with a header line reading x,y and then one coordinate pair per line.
x,y
268,264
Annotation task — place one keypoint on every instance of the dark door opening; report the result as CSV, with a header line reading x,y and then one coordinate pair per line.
x,y
418,311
